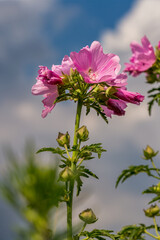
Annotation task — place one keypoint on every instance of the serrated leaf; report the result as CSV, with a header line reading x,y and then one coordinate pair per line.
x,y
99,234
99,111
79,185
155,199
134,170
86,170
95,148
52,150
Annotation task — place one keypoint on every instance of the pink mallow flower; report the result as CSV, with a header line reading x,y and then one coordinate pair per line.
x,y
143,57
47,82
117,106
94,65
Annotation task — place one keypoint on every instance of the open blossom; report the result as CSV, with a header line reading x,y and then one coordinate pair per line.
x,y
47,82
94,65
159,45
143,57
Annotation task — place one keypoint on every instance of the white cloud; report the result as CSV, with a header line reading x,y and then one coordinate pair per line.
x,y
143,19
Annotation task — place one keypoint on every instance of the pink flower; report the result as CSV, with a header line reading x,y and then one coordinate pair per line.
x,y
117,106
47,82
114,106
65,67
159,45
48,76
130,97
94,65
143,57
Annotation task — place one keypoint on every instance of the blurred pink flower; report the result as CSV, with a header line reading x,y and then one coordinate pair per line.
x,y
143,57
94,65
159,45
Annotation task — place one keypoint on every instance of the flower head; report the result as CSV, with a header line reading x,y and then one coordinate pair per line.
x,y
48,81
143,57
94,65
117,97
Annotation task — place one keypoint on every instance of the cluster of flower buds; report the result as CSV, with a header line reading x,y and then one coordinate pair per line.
x,y
89,75
145,59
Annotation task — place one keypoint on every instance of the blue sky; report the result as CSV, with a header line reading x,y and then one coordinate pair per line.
x,y
39,32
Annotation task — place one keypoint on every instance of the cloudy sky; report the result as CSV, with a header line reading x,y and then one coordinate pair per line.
x,y
39,32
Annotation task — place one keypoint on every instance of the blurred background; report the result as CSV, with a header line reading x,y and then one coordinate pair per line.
x,y
38,32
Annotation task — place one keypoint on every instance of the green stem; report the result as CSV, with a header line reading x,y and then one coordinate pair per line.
x,y
151,235
156,228
82,229
154,166
73,168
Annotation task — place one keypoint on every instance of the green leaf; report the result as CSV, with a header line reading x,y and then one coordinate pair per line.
x,y
99,234
52,150
95,148
79,185
132,232
90,173
155,98
134,170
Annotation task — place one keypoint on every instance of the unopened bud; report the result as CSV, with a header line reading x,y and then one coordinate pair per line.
x,y
66,174
82,133
152,211
63,139
149,153
88,216
110,91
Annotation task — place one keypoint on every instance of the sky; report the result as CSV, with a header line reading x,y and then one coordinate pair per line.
x,y
39,32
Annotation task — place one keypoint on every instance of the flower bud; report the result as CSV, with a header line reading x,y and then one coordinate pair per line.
x,y
110,91
152,211
149,153
88,216
66,174
82,133
63,139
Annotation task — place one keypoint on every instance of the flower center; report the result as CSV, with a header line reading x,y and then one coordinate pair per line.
x,y
92,75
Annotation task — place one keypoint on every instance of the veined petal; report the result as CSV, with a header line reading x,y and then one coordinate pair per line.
x,y
48,103
40,88
82,60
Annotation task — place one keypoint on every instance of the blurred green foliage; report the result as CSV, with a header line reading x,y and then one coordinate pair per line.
x,y
33,191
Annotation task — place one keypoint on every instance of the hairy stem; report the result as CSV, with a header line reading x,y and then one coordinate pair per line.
x,y
73,168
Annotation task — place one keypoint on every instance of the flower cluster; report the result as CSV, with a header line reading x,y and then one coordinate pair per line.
x,y
89,75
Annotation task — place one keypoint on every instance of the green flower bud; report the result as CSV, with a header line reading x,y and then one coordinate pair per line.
x,y
149,153
82,133
66,174
88,216
152,211
63,139
110,91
